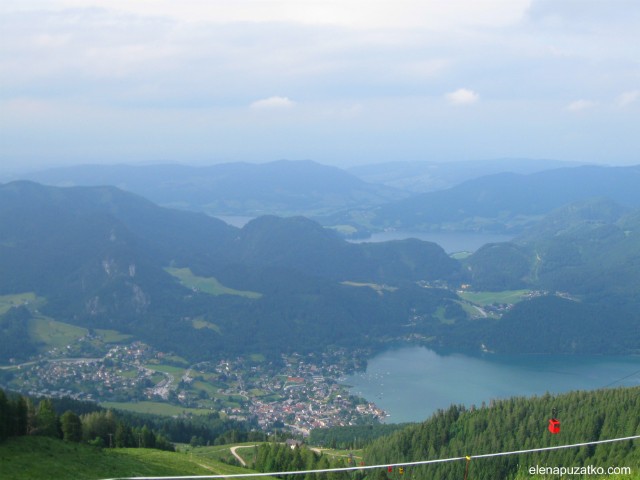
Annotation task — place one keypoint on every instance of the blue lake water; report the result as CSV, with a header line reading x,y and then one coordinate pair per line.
x,y
411,383
451,242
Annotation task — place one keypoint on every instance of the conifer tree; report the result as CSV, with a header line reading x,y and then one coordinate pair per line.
x,y
46,419
21,423
5,416
71,427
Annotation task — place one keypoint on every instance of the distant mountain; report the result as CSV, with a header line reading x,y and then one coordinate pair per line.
x,y
301,244
425,176
590,251
504,202
280,188
185,282
587,247
100,258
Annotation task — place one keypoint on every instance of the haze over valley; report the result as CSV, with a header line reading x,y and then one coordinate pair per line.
x,y
357,240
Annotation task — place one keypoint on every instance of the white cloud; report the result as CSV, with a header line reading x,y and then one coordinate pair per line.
x,y
353,13
273,103
580,105
462,96
627,98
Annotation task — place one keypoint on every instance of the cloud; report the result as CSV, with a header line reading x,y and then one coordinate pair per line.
x,y
627,98
350,13
580,105
273,103
462,96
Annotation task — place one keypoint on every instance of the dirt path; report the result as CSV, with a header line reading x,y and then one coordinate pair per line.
x,y
238,457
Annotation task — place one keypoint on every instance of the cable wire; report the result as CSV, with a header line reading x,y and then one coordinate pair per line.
x,y
370,467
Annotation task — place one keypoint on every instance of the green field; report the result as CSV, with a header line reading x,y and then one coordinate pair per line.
x,y
332,452
207,284
53,333
9,301
155,408
26,458
247,452
176,359
489,298
440,315
199,324
211,390
113,336
222,453
380,289
178,371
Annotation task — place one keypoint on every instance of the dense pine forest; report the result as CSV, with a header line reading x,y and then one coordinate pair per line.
x,y
516,424
277,457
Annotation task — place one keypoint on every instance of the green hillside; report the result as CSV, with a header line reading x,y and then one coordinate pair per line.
x,y
31,458
589,252
589,247
516,424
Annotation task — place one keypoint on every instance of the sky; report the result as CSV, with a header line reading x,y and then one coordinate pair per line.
x,y
340,82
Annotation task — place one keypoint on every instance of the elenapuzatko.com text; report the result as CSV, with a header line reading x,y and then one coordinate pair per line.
x,y
585,470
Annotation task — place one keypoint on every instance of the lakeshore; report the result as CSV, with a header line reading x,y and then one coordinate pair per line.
x,y
411,383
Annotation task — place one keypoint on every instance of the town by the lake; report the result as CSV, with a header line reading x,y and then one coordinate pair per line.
x,y
297,392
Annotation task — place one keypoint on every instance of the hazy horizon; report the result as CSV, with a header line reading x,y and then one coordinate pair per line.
x,y
18,172
340,83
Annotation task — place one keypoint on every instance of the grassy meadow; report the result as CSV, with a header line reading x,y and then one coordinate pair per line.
x,y
489,298
208,285
28,458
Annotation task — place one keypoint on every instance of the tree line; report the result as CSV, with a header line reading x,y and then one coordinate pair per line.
x,y
352,437
280,457
20,416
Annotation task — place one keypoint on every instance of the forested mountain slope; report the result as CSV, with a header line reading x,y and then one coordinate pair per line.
x,y
103,258
517,424
589,251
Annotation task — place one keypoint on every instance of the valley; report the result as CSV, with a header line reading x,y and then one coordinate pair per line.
x,y
299,393
320,240
218,332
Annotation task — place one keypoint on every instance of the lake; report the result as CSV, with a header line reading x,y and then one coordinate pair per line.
x,y
411,383
451,242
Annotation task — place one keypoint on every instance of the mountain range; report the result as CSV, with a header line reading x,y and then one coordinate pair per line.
x,y
100,257
104,258
246,189
503,202
499,196
424,176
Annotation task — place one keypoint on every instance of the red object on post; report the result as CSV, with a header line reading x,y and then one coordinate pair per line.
x,y
554,426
